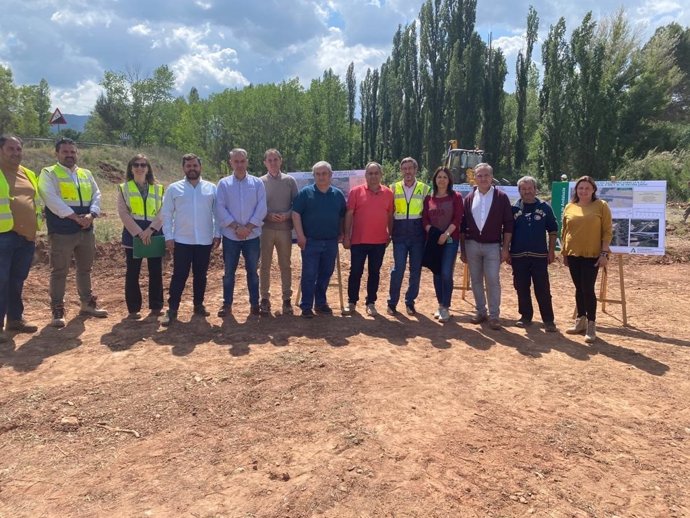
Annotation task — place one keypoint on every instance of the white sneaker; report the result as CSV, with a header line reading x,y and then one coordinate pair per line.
x,y
371,310
443,315
349,308
437,313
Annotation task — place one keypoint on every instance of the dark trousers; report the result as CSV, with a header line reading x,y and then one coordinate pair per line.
x,y
584,275
16,255
358,256
528,270
196,257
132,287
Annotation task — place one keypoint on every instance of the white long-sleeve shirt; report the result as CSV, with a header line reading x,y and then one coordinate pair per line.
x,y
188,213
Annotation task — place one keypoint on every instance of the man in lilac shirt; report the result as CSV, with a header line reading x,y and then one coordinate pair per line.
x,y
240,211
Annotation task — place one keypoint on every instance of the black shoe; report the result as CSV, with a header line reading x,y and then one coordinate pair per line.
x,y
307,313
201,311
255,310
265,307
392,311
225,310
20,326
411,311
323,310
523,322
287,307
169,317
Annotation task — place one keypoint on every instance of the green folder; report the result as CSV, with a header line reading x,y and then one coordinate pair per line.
x,y
155,249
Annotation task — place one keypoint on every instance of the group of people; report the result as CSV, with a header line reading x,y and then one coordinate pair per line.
x,y
253,216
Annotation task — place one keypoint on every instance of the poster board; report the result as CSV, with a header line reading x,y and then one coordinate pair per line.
x,y
638,210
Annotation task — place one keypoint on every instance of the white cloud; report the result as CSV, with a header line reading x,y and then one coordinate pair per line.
x,y
658,8
334,53
142,29
79,100
203,5
82,19
510,45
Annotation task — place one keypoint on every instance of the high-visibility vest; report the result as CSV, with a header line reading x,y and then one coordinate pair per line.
x,y
6,218
135,202
413,208
69,192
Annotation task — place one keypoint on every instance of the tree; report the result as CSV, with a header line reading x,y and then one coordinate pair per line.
x,y
554,111
132,104
8,100
522,68
492,127
351,81
433,68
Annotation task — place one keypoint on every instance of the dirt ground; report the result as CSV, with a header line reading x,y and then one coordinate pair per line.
x,y
350,416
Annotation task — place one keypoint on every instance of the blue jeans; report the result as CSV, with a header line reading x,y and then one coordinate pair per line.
x,y
358,256
401,250
484,260
250,250
318,263
16,255
443,282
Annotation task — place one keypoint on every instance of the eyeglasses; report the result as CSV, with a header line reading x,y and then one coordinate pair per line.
x,y
140,164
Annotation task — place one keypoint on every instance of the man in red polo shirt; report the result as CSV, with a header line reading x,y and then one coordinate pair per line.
x,y
368,227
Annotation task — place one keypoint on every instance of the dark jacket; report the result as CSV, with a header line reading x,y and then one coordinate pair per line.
x,y
433,251
498,222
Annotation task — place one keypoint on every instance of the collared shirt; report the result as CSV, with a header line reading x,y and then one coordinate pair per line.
x,y
240,201
49,189
372,212
481,205
188,213
321,212
409,190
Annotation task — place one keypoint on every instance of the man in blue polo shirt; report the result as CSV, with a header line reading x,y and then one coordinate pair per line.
x,y
530,255
317,215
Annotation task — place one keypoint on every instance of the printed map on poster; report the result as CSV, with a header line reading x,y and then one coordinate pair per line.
x,y
638,210
343,180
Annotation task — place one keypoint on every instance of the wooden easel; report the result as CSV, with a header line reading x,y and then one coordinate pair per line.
x,y
464,286
339,284
603,290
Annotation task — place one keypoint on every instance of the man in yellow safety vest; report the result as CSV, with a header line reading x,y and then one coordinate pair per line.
x,y
72,201
408,235
19,220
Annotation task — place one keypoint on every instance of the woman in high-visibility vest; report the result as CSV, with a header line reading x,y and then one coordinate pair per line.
x,y
139,202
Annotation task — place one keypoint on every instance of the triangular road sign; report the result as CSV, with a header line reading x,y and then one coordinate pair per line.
x,y
57,117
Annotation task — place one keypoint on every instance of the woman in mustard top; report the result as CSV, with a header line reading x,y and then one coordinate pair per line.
x,y
587,233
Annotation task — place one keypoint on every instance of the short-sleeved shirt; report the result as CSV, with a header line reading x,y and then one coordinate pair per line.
x,y
371,212
321,212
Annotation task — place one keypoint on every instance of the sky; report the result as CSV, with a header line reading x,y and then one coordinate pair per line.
x,y
218,44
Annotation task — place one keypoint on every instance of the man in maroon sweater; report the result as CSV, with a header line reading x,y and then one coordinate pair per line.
x,y
485,242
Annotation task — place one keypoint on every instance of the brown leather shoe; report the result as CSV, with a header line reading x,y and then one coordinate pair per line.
x,y
494,324
478,319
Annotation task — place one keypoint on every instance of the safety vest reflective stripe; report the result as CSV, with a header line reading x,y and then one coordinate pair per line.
x,y
70,194
135,202
413,209
6,218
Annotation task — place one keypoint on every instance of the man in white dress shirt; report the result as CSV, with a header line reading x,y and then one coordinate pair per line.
x,y
190,230
485,240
